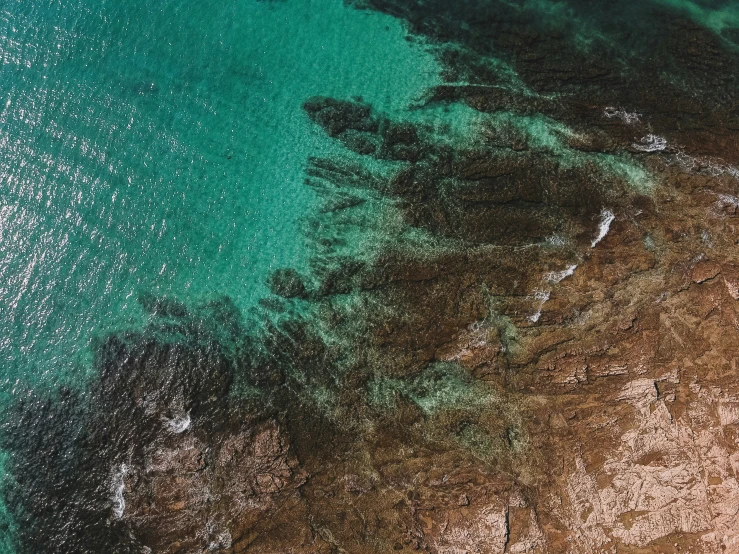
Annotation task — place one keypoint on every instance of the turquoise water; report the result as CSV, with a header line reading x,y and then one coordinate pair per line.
x,y
159,147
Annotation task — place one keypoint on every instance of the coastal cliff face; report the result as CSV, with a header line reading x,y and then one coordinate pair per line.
x,y
534,350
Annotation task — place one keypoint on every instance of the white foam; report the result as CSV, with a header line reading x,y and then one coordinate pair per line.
x,y
557,276
118,485
651,143
542,296
714,167
606,218
179,424
627,117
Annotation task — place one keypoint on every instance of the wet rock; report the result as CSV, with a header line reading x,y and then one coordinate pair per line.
x,y
190,494
287,283
337,116
162,306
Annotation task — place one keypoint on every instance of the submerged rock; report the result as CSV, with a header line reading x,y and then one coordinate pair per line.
x,y
287,283
338,116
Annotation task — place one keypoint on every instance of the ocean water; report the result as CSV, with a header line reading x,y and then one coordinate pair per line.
x,y
159,147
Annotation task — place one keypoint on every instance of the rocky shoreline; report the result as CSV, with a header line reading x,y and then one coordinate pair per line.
x,y
534,349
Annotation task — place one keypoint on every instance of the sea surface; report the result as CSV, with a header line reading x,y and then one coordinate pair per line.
x,y
159,148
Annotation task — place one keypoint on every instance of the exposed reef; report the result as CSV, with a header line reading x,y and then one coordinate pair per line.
x,y
523,340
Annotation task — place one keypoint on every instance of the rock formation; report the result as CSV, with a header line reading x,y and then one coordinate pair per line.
x,y
523,342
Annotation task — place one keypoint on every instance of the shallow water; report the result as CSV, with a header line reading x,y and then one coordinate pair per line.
x,y
159,148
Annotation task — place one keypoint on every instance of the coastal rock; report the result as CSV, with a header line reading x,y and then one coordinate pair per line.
x,y
337,116
190,495
287,283
520,342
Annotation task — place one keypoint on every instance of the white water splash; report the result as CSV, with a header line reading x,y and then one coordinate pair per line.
x,y
606,218
716,169
557,276
223,540
556,241
542,296
698,164
117,486
179,424
650,143
627,117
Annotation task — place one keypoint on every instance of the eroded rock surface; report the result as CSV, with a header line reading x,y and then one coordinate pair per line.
x,y
533,349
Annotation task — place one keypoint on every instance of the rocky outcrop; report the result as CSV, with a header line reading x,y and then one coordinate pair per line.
x,y
189,495
523,342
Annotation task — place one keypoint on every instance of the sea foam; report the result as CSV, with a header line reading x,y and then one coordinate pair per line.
x,y
650,143
557,276
606,218
179,424
118,485
627,117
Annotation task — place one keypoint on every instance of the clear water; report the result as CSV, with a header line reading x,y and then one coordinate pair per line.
x,y
159,147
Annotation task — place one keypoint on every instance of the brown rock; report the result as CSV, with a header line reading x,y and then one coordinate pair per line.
x,y
704,271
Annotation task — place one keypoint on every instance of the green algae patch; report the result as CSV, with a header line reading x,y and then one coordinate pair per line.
x,y
440,386
550,136
453,124
458,411
625,168
486,445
